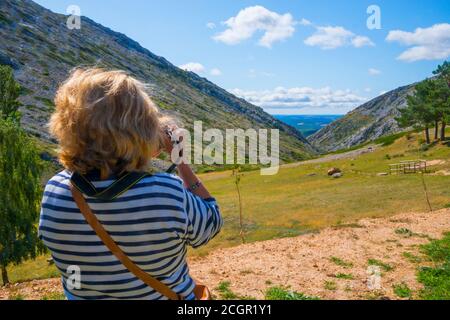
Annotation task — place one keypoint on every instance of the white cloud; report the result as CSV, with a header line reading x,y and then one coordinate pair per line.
x,y
216,72
431,43
334,37
367,89
247,22
302,98
361,41
305,22
211,25
374,72
193,66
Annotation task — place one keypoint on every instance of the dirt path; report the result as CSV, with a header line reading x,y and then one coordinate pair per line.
x,y
303,262
333,157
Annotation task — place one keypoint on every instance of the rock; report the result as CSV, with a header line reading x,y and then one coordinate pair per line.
x,y
337,175
382,174
332,171
311,174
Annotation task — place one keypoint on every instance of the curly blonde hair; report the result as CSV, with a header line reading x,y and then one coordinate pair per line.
x,y
104,120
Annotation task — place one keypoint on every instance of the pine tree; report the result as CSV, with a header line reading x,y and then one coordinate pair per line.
x,y
9,92
420,111
443,73
20,190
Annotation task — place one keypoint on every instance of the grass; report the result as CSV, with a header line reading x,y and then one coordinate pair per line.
x,y
281,293
54,296
436,279
342,263
227,294
345,276
384,266
32,269
311,202
225,291
17,297
47,102
402,290
404,232
330,285
412,257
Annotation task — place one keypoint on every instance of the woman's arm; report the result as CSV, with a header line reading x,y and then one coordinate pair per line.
x,y
192,182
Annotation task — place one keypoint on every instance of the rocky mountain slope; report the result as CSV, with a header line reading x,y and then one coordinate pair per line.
x,y
42,51
368,122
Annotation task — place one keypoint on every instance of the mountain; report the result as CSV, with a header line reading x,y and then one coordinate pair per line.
x,y
368,122
42,50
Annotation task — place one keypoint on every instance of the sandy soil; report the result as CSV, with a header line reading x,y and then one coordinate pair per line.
x,y
303,263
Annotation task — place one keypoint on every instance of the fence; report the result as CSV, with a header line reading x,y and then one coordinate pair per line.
x,y
411,166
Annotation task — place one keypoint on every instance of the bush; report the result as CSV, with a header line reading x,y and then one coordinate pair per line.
x,y
436,279
279,293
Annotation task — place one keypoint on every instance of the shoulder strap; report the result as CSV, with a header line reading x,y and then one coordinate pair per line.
x,y
121,185
114,248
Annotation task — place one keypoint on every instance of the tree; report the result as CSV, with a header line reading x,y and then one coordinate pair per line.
x,y
419,112
443,71
20,189
20,194
9,92
443,94
440,96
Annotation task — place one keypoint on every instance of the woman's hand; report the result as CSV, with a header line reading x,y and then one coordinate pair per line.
x,y
172,137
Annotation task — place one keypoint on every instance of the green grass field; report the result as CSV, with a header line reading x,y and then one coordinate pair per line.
x,y
304,199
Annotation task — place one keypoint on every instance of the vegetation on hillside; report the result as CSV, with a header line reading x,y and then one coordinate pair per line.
x,y
44,62
429,105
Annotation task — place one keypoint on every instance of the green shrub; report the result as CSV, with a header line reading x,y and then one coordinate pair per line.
x,y
280,293
436,279
402,290
374,262
340,262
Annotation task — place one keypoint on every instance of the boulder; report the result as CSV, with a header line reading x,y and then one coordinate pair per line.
x,y
332,171
337,175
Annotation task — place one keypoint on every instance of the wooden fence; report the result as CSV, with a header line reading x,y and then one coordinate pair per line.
x,y
411,166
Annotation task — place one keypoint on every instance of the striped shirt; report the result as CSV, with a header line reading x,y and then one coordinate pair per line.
x,y
153,223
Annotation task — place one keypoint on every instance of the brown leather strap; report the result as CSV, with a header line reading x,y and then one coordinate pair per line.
x,y
114,248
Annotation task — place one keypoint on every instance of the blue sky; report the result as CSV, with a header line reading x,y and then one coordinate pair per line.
x,y
290,57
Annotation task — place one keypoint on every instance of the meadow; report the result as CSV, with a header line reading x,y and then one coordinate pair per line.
x,y
303,198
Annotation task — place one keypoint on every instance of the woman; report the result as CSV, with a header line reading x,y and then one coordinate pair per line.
x,y
108,128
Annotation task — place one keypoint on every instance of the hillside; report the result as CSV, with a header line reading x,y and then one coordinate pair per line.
x,y
42,51
368,122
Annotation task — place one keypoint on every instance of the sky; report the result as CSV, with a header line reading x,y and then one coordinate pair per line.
x,y
289,56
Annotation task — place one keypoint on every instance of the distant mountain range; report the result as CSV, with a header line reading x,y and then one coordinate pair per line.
x,y
42,51
368,122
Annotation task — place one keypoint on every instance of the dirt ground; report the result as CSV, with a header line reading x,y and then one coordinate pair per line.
x,y
304,263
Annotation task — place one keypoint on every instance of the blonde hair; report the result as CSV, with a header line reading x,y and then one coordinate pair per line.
x,y
104,120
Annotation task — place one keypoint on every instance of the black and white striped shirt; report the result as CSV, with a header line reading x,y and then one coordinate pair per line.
x,y
153,223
